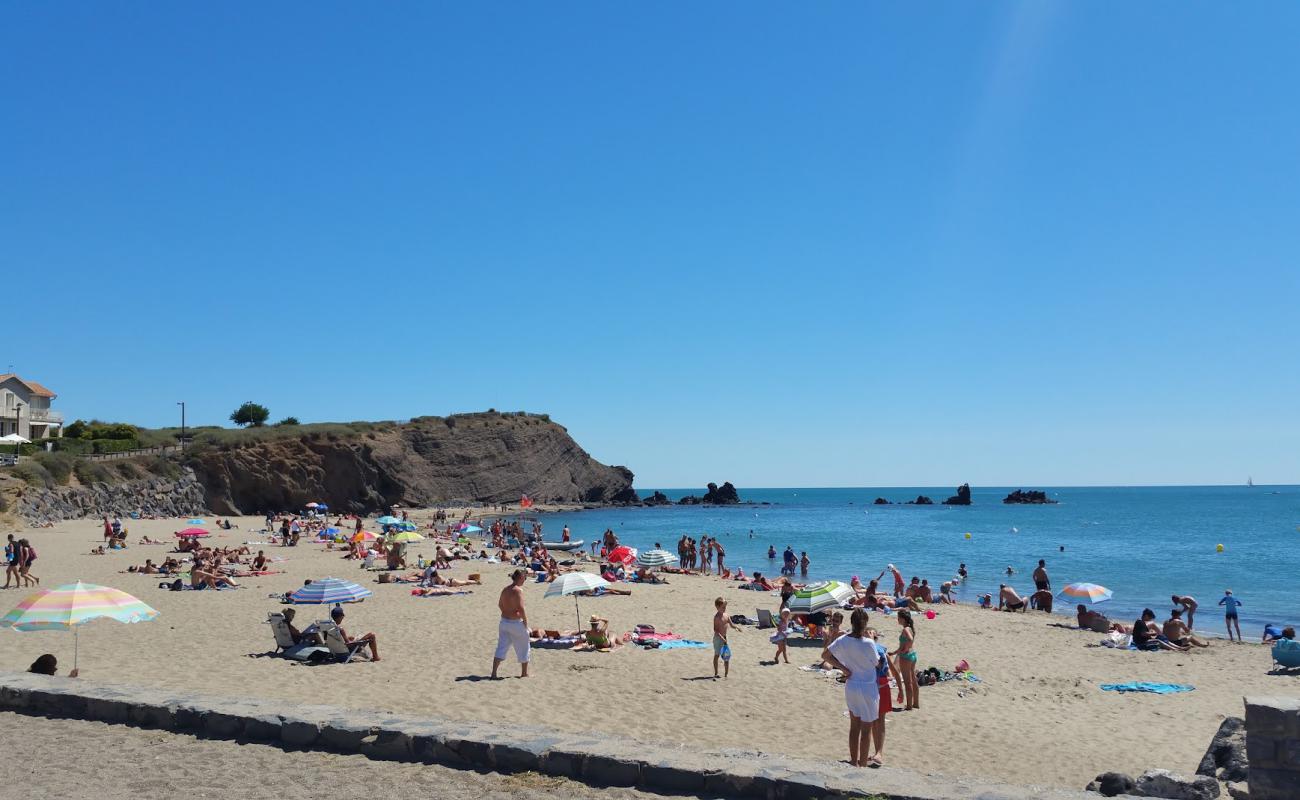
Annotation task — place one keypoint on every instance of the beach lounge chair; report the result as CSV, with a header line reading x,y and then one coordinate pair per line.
x,y
1286,654
764,618
338,647
284,644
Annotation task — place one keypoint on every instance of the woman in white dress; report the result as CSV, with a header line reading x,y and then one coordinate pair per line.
x,y
856,656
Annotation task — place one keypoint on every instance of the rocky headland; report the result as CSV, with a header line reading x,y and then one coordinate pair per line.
x,y
715,495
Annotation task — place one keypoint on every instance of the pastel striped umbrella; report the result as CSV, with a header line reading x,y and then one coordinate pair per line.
x,y
573,583
193,533
330,590
406,536
364,536
73,605
820,596
656,558
1085,593
388,519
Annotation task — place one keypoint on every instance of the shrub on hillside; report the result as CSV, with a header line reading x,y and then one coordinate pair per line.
x,y
59,465
287,421
129,470
33,474
114,445
164,467
91,472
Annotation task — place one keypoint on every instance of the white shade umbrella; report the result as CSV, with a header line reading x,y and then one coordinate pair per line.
x,y
656,558
14,438
572,583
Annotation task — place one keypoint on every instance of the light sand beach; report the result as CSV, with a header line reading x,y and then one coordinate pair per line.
x,y
1037,715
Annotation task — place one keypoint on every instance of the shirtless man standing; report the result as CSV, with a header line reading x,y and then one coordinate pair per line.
x,y
1189,606
721,650
513,628
1042,583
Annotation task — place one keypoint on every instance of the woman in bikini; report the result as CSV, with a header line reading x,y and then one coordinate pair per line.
x,y
906,655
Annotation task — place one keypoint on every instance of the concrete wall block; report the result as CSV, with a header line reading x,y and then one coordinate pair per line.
x,y
111,710
1262,716
1273,784
299,732
611,770
665,776
223,726
431,748
14,698
1261,750
388,745
563,763
734,784
1288,752
344,736
263,728
518,756
152,716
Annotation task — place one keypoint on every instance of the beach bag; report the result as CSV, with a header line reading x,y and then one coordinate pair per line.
x,y
176,585
385,577
642,630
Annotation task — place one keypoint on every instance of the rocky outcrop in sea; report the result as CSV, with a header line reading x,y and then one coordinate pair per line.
x,y
962,498
1021,497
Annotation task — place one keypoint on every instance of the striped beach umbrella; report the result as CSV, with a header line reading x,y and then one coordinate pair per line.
x,y
364,536
330,590
72,605
573,583
1085,593
406,536
388,520
656,558
193,533
820,596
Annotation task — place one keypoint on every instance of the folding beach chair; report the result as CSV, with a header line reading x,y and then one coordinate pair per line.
x,y
764,618
284,644
1286,654
339,647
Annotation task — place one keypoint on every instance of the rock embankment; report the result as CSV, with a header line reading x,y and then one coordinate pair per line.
x,y
487,458
162,497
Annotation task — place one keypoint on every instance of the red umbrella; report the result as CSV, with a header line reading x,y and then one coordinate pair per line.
x,y
193,533
622,554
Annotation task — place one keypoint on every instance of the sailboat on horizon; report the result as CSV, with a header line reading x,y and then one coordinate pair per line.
x,y
1250,481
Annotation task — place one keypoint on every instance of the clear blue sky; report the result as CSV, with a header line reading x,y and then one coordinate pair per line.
x,y
831,244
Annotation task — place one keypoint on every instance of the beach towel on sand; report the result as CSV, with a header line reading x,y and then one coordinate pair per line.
x,y
1143,686
681,644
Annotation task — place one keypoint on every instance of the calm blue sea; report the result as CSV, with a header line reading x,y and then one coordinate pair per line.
x,y
1144,543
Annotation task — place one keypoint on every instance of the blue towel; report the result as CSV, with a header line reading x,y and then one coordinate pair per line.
x,y
1143,686
681,644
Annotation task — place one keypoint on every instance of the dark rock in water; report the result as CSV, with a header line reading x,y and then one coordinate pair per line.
x,y
626,496
962,498
880,501
921,500
1109,784
1022,497
1166,784
658,499
689,500
724,495
1225,758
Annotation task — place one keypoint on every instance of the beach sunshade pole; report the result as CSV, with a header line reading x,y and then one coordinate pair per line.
x,y
577,612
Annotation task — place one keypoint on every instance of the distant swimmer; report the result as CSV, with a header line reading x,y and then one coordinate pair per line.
x,y
1062,548
1010,571
961,571
771,551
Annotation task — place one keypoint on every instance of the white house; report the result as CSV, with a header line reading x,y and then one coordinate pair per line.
x,y
25,409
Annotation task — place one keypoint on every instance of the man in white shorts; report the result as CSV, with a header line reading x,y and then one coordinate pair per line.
x,y
513,628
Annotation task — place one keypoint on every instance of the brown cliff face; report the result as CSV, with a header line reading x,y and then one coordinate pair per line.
x,y
487,457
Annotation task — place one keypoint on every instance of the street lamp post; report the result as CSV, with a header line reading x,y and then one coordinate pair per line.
x,y
182,405
18,428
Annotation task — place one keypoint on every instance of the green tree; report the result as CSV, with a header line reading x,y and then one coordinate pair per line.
x,y
250,413
287,421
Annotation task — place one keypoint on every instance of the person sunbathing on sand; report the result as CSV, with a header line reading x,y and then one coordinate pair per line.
x,y
1176,631
1146,636
597,636
1097,621
432,578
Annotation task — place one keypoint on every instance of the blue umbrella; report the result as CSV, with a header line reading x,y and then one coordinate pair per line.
x,y
322,505
330,590
195,521
388,520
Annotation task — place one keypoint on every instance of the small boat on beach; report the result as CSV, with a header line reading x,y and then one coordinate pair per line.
x,y
565,547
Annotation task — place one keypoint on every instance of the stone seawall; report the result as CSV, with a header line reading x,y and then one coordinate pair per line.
x,y
1273,747
595,759
160,497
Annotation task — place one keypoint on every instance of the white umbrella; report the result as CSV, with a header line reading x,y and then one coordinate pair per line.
x,y
656,558
14,438
572,583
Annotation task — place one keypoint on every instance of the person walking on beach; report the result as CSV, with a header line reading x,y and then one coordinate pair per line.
x,y
856,656
11,561
908,692
512,630
1229,603
779,638
884,669
721,648
26,555
1042,583
719,553
1189,606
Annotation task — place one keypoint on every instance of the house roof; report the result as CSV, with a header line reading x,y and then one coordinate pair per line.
x,y
35,388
